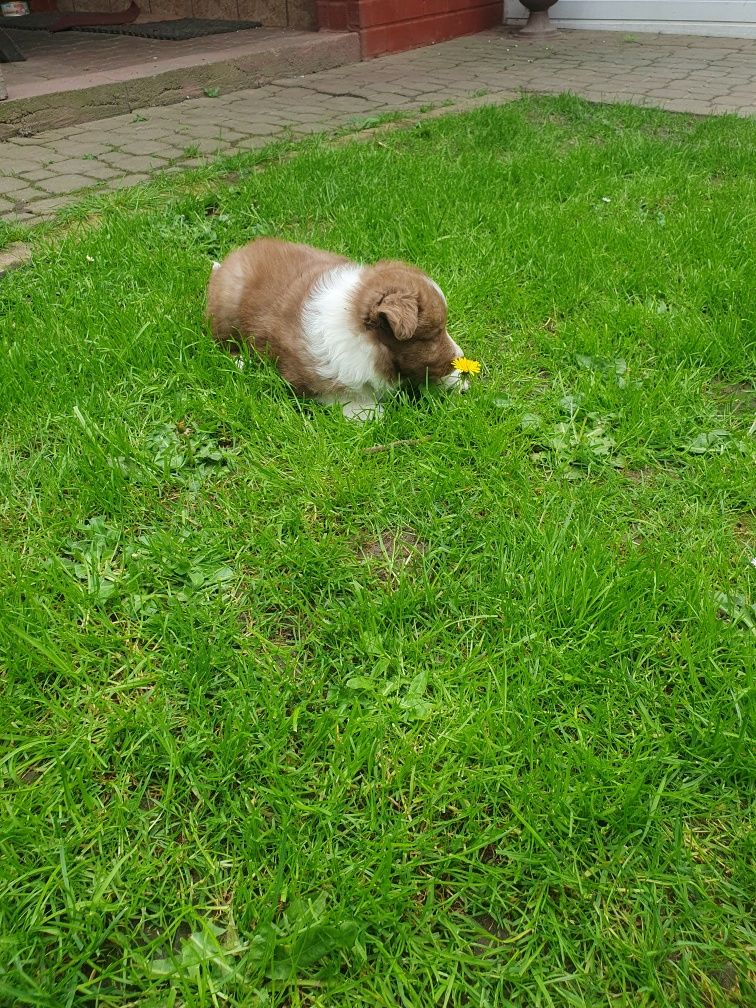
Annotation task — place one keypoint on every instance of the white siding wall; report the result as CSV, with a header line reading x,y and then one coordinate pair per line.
x,y
697,17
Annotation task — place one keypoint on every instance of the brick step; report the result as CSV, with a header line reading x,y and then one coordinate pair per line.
x,y
256,59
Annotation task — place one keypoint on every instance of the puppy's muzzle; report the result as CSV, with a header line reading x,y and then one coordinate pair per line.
x,y
456,379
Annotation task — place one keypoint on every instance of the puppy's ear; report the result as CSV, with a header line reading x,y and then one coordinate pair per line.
x,y
398,311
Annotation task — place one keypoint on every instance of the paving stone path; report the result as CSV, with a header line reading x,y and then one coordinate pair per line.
x,y
40,173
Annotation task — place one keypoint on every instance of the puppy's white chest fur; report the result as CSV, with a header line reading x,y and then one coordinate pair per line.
x,y
339,350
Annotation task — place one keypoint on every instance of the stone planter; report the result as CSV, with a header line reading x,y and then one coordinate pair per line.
x,y
539,23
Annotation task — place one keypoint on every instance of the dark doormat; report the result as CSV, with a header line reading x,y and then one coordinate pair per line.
x,y
54,21
9,52
170,31
32,22
174,31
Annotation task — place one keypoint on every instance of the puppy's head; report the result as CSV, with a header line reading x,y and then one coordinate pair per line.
x,y
405,313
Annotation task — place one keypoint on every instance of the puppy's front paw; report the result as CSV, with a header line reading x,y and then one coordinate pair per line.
x,y
457,381
362,411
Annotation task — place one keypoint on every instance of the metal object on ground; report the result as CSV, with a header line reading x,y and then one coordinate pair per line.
x,y
14,8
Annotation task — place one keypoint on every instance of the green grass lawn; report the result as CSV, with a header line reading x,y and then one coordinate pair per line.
x,y
464,721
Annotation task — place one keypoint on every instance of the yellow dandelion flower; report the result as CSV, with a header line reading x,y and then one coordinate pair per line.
x,y
466,366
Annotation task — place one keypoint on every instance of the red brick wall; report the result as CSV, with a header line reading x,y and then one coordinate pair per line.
x,y
334,15
387,26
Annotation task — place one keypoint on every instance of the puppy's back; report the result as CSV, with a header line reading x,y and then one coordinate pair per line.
x,y
255,296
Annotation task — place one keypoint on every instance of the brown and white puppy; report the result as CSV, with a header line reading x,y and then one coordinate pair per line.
x,y
338,331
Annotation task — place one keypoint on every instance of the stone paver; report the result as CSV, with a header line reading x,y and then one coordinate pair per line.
x,y
14,256
60,184
134,164
126,181
680,73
